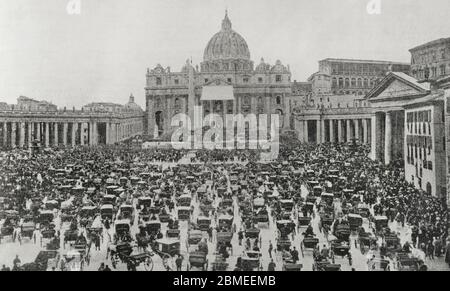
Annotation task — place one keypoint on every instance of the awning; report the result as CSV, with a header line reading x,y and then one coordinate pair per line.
x,y
217,93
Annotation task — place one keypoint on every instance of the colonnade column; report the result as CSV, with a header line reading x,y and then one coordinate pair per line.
x,y
65,129
22,134
95,133
331,121
13,134
387,139
356,124
318,133
47,134
5,133
56,134
30,133
365,133
74,131
322,130
305,131
349,130
373,138
340,137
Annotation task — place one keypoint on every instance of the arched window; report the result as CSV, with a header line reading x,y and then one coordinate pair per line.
x,y
360,82
366,83
335,82
177,102
341,83
347,82
353,82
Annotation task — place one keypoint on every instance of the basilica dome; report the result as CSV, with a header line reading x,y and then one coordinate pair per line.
x,y
226,44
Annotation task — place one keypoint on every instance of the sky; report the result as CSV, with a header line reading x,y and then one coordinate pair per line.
x,y
102,53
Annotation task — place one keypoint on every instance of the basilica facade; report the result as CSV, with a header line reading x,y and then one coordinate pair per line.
x,y
226,82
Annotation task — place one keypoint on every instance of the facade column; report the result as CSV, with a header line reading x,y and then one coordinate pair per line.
x,y
47,134
38,133
388,139
91,133
365,133
13,134
305,131
349,130
30,134
318,133
340,137
56,134
65,129
5,133
95,133
108,133
74,132
331,121
322,130
356,125
22,135
82,133
373,138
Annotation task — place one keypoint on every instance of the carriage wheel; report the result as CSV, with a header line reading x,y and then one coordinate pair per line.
x,y
148,264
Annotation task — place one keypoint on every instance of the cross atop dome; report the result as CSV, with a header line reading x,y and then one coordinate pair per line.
x,y
226,23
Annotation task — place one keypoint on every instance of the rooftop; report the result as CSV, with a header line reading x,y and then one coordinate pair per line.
x,y
431,44
363,61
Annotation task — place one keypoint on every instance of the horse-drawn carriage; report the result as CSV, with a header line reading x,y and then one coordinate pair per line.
x,y
198,259
7,227
168,247
27,230
365,240
107,212
324,265
285,228
184,213
287,205
152,227
392,244
46,217
219,264
252,232
144,202
406,262
380,223
194,237
122,231
48,233
184,200
203,223
355,221
250,261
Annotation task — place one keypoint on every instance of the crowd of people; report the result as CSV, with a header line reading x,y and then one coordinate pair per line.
x,y
27,182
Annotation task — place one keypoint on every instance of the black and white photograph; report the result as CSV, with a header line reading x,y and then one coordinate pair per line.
x,y
223,135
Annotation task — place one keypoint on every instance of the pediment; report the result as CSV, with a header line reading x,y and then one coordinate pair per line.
x,y
396,88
